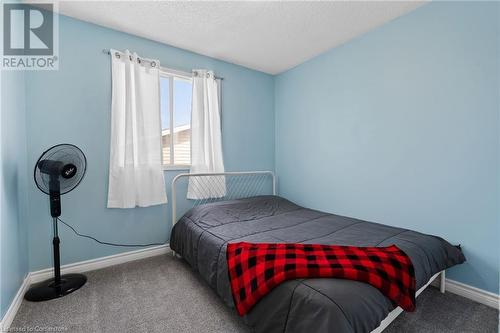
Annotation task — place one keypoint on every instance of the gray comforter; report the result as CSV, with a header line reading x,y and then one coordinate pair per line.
x,y
305,305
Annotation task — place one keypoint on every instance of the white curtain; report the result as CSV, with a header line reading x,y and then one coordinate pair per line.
x,y
135,166
206,138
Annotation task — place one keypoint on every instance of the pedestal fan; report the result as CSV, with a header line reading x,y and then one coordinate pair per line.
x,y
58,171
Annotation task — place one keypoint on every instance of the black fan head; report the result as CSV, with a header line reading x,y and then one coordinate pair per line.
x,y
64,162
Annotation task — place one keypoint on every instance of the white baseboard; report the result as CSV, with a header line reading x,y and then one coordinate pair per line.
x,y
14,306
479,295
78,267
475,294
98,263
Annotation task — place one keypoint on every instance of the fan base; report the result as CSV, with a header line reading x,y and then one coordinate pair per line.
x,y
47,290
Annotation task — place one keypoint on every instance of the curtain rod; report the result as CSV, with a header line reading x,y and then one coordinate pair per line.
x,y
106,51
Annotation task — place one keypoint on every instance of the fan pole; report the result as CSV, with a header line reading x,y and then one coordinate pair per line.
x,y
57,257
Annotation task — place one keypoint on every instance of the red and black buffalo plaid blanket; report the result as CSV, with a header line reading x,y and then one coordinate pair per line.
x,y
255,269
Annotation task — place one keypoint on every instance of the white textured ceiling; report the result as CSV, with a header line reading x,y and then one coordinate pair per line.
x,y
267,36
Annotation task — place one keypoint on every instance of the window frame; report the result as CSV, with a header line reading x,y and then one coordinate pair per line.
x,y
171,74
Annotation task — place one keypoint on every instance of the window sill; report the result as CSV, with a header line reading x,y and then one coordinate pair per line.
x,y
176,167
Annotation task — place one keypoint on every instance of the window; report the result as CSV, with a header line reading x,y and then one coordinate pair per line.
x,y
175,104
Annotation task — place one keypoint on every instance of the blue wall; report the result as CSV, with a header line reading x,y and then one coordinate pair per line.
x,y
13,239
401,126
73,105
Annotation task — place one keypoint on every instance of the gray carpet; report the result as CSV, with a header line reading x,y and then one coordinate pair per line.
x,y
162,294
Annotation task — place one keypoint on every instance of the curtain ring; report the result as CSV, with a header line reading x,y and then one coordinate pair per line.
x,y
153,64
138,60
130,57
117,55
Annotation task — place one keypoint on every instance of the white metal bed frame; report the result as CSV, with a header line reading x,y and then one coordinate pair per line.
x,y
397,311
254,186
246,192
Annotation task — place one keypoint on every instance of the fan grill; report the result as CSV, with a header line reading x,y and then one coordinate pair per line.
x,y
67,154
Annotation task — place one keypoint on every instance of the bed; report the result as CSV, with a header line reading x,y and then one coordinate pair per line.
x,y
200,237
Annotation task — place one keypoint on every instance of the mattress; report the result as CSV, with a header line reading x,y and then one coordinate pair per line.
x,y
314,305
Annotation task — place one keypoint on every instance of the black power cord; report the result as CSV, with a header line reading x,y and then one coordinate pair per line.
x,y
106,243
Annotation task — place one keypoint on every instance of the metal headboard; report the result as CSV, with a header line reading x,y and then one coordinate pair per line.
x,y
236,185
